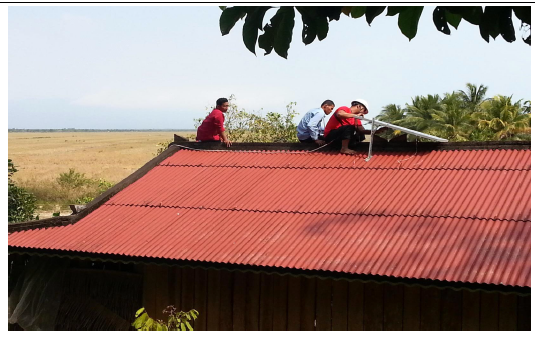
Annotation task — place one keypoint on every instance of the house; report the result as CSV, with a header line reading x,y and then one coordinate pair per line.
x,y
424,236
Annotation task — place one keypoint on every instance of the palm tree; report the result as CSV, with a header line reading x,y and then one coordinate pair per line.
x,y
393,114
452,121
420,114
474,96
503,120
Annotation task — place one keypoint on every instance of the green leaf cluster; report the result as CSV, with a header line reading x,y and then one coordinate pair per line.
x,y
491,20
76,182
21,203
247,126
162,146
463,115
176,320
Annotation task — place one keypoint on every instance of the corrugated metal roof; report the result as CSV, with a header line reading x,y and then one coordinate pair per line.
x,y
442,215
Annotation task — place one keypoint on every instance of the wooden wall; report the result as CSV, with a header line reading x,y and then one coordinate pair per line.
x,y
250,301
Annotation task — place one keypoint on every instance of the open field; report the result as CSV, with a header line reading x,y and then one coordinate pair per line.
x,y
112,156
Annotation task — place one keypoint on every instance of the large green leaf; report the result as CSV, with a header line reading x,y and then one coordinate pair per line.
x,y
523,13
140,321
472,14
283,36
408,20
253,22
372,12
358,11
308,16
138,312
505,25
323,27
439,19
265,41
453,19
190,328
393,10
489,25
278,33
229,17
331,12
148,324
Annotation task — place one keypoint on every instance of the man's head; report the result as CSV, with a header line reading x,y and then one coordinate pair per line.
x,y
359,106
327,106
222,104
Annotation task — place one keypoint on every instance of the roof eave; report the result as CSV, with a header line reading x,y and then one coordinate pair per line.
x,y
423,282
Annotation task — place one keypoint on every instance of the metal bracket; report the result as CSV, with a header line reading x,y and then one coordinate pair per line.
x,y
373,129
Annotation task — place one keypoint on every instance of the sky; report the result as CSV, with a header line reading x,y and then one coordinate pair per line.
x,y
159,67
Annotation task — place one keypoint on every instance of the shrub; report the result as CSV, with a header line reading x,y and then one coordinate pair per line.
x,y
73,179
21,204
162,146
176,321
243,126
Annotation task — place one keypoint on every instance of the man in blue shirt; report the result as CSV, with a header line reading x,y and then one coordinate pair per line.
x,y
311,126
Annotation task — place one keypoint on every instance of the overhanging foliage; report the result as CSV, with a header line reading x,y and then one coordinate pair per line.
x,y
491,20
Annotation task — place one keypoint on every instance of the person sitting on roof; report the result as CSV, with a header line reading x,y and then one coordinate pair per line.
x,y
212,128
345,127
311,126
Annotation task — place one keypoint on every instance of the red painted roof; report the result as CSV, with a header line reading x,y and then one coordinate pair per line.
x,y
442,215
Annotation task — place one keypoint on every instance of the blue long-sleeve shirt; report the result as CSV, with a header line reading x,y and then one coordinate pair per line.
x,y
311,125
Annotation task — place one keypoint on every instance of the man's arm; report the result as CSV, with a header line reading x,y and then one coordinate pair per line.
x,y
313,125
225,138
218,121
344,115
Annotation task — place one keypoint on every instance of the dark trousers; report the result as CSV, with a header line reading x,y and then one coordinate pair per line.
x,y
342,133
310,140
207,140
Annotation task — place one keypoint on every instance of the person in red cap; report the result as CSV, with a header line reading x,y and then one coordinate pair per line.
x,y
344,126
212,128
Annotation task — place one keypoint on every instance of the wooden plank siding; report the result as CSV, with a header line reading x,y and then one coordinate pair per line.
x,y
280,302
244,300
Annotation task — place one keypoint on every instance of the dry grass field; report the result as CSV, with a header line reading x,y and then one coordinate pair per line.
x,y
111,156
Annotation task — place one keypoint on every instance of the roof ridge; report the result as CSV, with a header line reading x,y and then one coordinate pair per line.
x,y
301,148
315,212
352,167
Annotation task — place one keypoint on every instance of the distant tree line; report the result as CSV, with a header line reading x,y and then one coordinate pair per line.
x,y
463,115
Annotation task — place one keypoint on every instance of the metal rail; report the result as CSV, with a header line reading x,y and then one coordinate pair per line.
x,y
376,123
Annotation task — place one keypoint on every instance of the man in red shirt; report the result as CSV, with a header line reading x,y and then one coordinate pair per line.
x,y
343,125
212,128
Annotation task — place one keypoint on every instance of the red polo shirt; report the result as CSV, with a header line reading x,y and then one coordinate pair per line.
x,y
336,121
212,126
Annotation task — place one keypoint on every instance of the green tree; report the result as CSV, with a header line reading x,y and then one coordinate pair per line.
x,y
500,119
453,120
244,126
493,21
21,204
394,114
462,116
526,108
420,114
473,96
